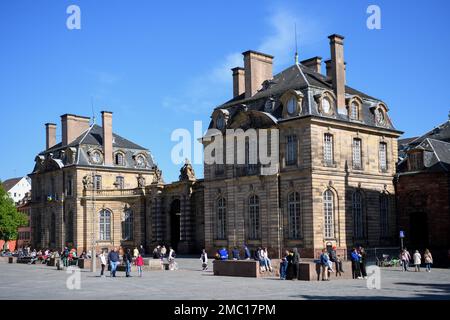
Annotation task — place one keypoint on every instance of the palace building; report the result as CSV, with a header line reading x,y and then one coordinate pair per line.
x,y
333,184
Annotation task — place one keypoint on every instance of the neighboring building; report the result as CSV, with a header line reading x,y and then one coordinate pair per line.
x,y
423,192
24,233
97,188
17,188
338,153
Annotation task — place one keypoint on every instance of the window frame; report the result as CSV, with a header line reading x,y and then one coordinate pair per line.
x,y
328,214
105,225
294,215
254,218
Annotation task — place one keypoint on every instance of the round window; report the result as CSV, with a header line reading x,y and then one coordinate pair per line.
x,y
96,157
292,105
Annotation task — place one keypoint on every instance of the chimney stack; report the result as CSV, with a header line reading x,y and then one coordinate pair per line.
x,y
258,68
107,137
313,63
238,81
72,127
338,70
328,68
50,135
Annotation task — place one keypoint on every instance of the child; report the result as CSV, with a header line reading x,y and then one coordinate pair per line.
x,y
139,263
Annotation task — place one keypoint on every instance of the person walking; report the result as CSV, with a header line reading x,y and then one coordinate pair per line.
x,y
171,259
405,258
127,259
417,258
324,263
142,251
113,258
428,258
247,254
65,257
362,262
204,260
139,263
355,257
295,264
103,263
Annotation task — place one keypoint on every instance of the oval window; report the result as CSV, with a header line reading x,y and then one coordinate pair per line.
x,y
326,106
220,122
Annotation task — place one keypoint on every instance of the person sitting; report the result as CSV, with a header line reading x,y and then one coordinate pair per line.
x,y
223,254
265,257
236,255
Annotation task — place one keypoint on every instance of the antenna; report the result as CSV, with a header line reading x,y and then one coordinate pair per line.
x,y
296,47
93,112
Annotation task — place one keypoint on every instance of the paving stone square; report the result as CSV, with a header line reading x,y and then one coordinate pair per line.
x,y
190,283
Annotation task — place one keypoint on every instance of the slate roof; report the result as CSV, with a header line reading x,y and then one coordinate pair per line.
x,y
301,78
10,183
436,156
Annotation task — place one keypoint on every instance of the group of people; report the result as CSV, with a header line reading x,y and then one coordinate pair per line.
x,y
328,259
112,260
405,259
290,265
160,252
260,254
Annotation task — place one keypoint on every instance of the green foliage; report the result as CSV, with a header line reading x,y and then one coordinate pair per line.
x,y
10,218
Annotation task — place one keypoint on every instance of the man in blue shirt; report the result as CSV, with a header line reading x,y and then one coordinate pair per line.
x,y
356,273
223,254
114,261
246,253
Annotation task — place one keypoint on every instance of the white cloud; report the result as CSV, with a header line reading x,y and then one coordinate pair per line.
x,y
206,90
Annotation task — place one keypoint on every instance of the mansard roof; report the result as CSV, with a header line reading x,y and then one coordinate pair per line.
x,y
436,155
310,83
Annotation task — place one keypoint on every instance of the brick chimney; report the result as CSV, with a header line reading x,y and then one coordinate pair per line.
x,y
50,135
107,137
72,127
313,63
238,81
338,70
258,68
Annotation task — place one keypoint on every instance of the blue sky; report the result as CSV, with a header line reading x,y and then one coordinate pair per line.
x,y
162,65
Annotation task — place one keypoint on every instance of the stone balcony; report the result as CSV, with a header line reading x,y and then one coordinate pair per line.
x,y
113,193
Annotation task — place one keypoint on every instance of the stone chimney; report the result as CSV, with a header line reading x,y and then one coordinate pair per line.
x,y
328,68
50,135
313,63
258,68
238,81
338,70
72,127
107,137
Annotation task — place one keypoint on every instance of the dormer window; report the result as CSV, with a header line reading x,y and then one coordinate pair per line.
x,y
326,106
379,116
354,111
140,161
96,157
220,122
292,105
119,159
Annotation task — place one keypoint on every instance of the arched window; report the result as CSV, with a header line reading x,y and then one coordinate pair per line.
x,y
328,209
53,229
358,215
253,214
127,225
105,225
221,219
294,215
119,159
354,111
384,215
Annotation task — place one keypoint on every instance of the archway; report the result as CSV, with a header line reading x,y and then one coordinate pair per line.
x,y
175,215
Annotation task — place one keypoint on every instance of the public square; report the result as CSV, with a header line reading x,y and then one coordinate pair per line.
x,y
19,281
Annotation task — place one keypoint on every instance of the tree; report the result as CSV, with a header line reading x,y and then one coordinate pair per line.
x,y
10,218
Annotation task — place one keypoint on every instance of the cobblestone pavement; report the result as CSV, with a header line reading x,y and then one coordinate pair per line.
x,y
189,283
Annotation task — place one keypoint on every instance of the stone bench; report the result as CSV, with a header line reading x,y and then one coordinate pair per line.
x,y
244,268
8,259
24,260
311,271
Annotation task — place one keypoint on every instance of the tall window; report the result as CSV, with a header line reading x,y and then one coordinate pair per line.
x,y
328,149
384,215
415,160
294,215
98,182
328,198
291,150
69,227
354,114
253,207
69,187
127,225
358,215
221,219
120,182
119,159
383,156
105,225
357,163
